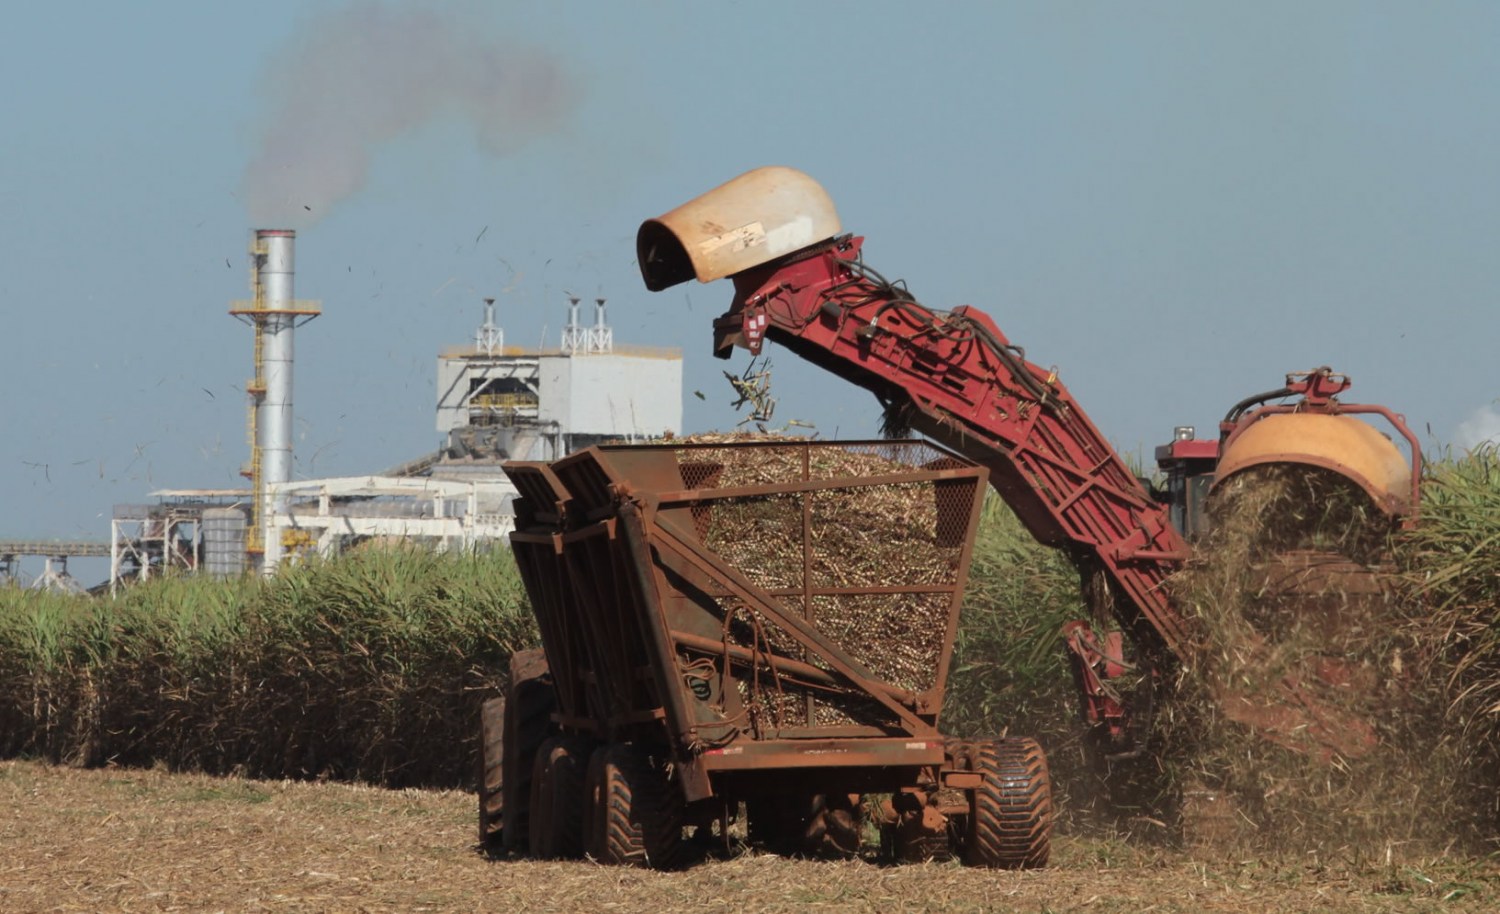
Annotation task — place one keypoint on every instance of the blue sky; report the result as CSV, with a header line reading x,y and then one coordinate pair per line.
x,y
1174,203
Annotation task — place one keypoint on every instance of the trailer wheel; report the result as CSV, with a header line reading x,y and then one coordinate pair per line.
x,y
557,798
528,722
491,773
594,805
637,810
769,824
832,830
1010,818
819,825
917,836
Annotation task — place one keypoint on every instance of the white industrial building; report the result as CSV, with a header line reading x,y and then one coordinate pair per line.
x,y
504,401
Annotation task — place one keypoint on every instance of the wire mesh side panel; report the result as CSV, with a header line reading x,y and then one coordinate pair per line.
x,y
770,701
875,563
877,536
900,637
762,537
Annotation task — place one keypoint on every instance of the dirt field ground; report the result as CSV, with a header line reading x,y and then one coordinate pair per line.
x,y
126,840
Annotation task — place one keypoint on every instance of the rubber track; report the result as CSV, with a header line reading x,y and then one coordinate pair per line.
x,y
1011,823
491,761
528,723
641,823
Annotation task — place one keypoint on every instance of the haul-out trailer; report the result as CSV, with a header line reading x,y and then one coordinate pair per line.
x,y
757,625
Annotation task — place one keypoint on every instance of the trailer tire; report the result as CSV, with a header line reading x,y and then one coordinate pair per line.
x,y
1010,813
774,823
637,811
833,827
557,798
594,806
825,826
491,774
908,842
529,704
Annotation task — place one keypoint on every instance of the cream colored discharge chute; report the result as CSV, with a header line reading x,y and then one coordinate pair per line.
x,y
743,223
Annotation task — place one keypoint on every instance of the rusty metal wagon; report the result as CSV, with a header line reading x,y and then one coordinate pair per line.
x,y
762,626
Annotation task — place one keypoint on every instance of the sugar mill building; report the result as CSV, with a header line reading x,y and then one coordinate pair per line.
x,y
506,401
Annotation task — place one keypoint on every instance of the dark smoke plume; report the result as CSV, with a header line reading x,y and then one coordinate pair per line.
x,y
360,76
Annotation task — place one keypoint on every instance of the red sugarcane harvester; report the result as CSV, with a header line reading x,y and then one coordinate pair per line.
x,y
954,376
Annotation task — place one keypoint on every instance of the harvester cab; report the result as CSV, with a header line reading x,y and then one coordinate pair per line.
x,y
1187,465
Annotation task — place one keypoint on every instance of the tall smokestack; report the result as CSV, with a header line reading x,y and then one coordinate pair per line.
x,y
274,313
274,262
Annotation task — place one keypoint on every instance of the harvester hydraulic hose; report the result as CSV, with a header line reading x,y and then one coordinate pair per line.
x,y
1239,408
